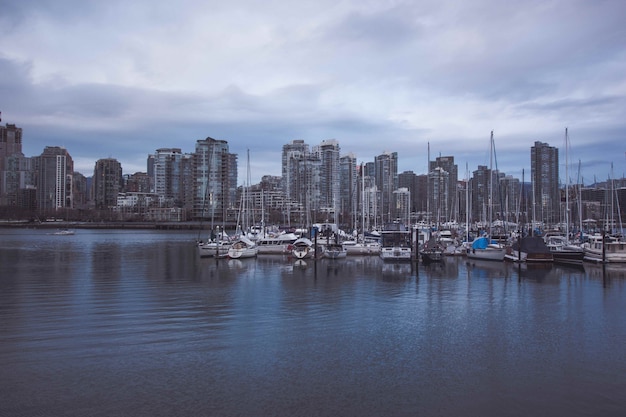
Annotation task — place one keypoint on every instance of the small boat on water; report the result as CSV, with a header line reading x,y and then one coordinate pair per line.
x,y
605,249
486,249
396,243
63,232
281,244
361,248
564,252
217,244
213,248
303,248
529,249
432,251
242,247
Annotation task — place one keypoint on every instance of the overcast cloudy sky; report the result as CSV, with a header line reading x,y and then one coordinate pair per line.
x,y
123,78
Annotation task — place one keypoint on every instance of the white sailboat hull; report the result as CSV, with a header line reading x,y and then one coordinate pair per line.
x,y
487,254
395,254
242,253
362,248
243,248
211,249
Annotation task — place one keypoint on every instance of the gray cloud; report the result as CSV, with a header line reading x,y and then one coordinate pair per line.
x,y
121,79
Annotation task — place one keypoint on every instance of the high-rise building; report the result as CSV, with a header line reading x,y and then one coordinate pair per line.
x,y
402,205
348,189
150,171
485,195
544,171
18,175
10,142
479,194
450,199
107,182
55,172
302,181
438,183
328,153
408,180
80,191
294,156
421,199
215,179
386,166
510,192
169,176
10,146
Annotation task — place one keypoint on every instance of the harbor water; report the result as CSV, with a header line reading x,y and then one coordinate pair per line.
x,y
134,323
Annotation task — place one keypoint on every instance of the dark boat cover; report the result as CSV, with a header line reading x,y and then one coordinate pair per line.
x,y
531,244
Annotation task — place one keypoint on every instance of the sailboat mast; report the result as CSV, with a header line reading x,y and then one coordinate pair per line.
x,y
490,208
467,227
566,186
428,188
580,208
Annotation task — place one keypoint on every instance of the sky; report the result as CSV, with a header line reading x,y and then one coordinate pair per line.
x,y
120,79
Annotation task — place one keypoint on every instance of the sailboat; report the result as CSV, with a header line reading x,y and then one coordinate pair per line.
x,y
216,246
243,246
431,249
484,247
303,248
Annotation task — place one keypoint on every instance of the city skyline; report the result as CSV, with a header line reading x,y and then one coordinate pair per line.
x,y
119,80
434,162
316,180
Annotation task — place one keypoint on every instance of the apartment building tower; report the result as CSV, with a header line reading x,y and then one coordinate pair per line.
x,y
544,171
54,171
107,182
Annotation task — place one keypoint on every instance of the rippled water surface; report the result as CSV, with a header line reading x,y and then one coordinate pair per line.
x,y
133,323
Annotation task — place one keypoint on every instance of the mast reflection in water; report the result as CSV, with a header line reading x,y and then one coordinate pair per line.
x,y
135,323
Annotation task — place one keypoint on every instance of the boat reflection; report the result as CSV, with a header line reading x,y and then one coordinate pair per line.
x,y
538,272
605,271
396,270
478,268
300,264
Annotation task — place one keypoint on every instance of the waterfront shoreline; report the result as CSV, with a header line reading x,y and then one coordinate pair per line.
x,y
106,225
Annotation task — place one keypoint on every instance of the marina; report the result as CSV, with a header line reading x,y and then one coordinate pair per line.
x,y
114,322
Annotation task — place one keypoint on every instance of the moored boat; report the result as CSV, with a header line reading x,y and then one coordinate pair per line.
x,y
281,244
604,249
529,249
361,248
432,251
562,251
303,248
486,249
213,248
396,243
242,247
